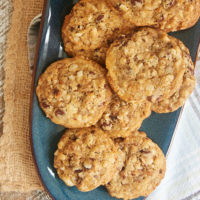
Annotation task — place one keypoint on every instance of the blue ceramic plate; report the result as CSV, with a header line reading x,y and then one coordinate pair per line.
x,y
45,134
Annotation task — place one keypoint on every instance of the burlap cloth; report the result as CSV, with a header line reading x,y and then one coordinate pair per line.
x,y
17,170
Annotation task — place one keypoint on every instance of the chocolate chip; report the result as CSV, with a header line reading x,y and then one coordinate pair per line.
x,y
78,85
73,137
122,175
116,29
71,28
78,171
103,126
109,42
124,43
91,72
117,6
55,91
118,140
81,4
44,105
59,112
144,151
113,117
93,131
97,49
100,17
70,158
160,171
149,98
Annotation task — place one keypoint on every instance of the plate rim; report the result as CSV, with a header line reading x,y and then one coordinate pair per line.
x,y
37,50
32,95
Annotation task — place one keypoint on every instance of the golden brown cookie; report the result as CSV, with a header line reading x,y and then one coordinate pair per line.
x,y
86,158
146,65
174,15
90,28
73,92
144,168
180,96
90,24
121,118
169,15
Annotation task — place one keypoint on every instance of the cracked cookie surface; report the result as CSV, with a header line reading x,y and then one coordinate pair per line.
x,y
169,15
86,158
144,167
146,65
121,118
74,92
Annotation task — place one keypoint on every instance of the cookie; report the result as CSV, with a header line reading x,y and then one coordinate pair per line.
x,y
121,118
169,15
144,168
90,25
86,158
73,92
174,15
90,28
180,96
146,65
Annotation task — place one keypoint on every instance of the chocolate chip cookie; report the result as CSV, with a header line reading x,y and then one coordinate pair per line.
x,y
74,92
169,15
144,168
86,158
90,28
90,24
146,65
121,118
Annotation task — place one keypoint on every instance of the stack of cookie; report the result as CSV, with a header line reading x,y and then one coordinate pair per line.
x,y
146,70
93,25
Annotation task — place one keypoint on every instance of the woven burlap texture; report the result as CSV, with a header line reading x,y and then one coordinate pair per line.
x,y
5,13
17,169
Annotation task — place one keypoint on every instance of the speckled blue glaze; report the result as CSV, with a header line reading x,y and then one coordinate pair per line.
x,y
45,134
